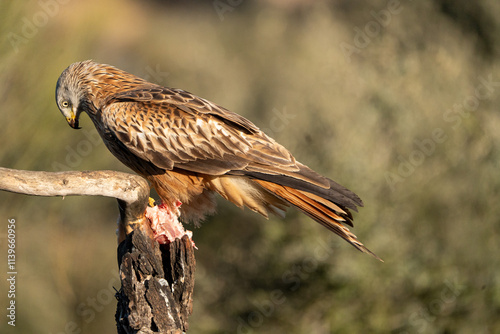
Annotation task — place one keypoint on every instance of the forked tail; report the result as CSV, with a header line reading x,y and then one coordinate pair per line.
x,y
325,212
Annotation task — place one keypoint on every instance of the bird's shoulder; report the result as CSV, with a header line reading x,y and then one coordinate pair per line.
x,y
178,102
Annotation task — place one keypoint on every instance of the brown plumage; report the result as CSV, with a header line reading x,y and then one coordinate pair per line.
x,y
190,148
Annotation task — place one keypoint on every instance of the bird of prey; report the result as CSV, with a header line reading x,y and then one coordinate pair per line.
x,y
190,148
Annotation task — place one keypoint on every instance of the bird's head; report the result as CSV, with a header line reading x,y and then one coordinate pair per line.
x,y
71,98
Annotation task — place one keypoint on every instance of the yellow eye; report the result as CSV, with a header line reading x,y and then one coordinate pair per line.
x,y
65,104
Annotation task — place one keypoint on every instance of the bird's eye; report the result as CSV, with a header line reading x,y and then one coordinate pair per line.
x,y
65,104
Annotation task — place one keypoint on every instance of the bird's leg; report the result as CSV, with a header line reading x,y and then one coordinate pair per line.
x,y
125,228
128,222
165,224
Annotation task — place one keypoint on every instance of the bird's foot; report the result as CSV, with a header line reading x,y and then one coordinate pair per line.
x,y
165,222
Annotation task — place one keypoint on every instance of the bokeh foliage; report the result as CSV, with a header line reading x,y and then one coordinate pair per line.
x,y
406,121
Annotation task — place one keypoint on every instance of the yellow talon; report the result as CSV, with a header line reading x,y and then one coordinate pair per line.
x,y
151,202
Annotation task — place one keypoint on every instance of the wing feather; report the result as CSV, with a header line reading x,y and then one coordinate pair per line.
x,y
169,137
185,101
175,129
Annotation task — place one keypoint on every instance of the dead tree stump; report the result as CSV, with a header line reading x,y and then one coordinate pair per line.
x,y
157,284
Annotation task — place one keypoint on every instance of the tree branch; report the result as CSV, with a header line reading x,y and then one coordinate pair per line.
x,y
131,191
157,281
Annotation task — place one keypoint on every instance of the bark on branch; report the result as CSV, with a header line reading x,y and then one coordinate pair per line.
x,y
131,191
157,281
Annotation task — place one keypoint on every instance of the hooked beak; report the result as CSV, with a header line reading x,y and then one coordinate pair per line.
x,y
73,120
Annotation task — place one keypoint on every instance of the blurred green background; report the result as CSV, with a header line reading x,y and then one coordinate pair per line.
x,y
397,100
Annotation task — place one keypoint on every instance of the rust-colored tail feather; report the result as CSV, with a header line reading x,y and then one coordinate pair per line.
x,y
321,210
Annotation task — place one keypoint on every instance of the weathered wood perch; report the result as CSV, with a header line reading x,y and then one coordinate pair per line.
x,y
157,285
156,295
